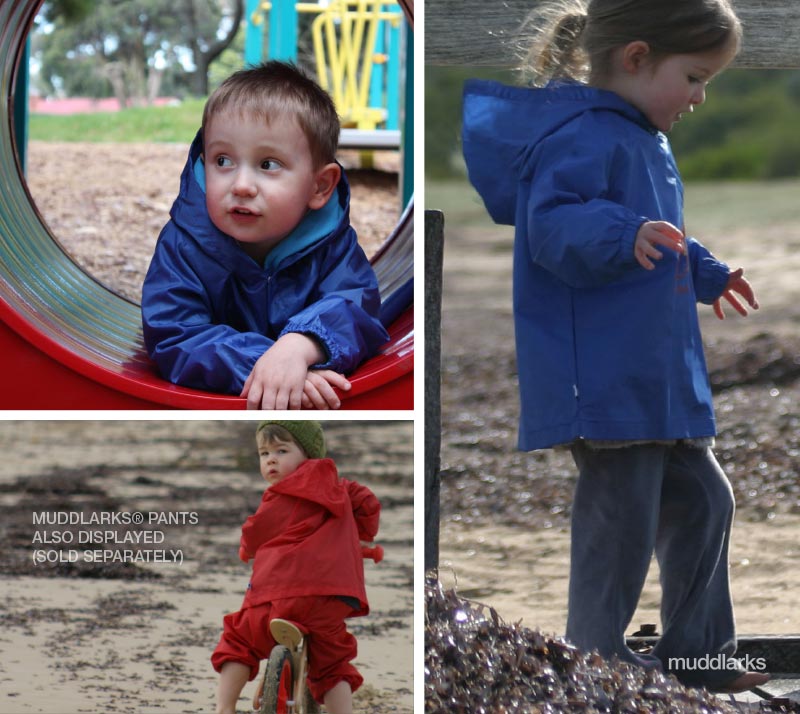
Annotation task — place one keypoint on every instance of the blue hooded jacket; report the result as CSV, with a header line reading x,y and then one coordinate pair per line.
x,y
606,350
209,310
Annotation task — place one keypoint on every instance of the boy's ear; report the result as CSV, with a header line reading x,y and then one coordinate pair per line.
x,y
326,180
634,55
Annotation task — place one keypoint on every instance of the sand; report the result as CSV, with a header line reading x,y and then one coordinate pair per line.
x,y
137,638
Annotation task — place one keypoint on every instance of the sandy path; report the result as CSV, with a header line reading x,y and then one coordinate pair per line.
x,y
524,574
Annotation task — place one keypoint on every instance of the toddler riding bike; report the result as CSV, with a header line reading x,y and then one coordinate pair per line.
x,y
305,540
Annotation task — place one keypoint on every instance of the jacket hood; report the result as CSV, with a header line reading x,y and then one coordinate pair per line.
x,y
190,214
502,125
315,480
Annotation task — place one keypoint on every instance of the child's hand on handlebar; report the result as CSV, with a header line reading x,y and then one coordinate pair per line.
x,y
370,550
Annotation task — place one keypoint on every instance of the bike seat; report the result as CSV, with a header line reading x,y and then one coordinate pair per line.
x,y
286,633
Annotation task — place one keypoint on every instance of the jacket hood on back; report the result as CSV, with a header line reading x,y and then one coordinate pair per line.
x,y
190,214
315,480
503,124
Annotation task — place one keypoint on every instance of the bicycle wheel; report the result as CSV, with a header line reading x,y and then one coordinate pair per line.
x,y
278,690
311,706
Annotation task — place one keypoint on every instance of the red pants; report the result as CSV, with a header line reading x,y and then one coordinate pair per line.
x,y
246,639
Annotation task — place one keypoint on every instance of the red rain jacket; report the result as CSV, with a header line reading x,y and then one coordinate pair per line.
x,y
306,537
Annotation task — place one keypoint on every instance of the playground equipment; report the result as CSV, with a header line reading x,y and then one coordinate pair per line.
x,y
68,342
356,49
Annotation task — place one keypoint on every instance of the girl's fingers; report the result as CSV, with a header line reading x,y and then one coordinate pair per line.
x,y
734,301
643,255
673,236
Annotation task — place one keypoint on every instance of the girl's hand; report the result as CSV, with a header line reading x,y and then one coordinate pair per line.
x,y
652,234
736,284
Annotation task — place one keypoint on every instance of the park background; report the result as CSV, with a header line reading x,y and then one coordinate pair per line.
x,y
103,181
505,514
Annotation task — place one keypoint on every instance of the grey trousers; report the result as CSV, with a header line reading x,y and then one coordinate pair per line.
x,y
677,502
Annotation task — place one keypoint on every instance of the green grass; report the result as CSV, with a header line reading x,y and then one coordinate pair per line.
x,y
458,200
711,207
137,124
720,206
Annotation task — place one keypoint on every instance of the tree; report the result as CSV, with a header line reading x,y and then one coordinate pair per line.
x,y
126,46
203,38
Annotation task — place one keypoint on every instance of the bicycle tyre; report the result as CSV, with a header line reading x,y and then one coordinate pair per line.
x,y
278,689
310,703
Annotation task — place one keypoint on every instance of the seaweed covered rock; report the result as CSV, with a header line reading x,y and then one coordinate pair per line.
x,y
475,663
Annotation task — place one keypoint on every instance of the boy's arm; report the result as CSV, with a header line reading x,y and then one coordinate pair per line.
x,y
180,336
343,313
261,527
366,510
278,378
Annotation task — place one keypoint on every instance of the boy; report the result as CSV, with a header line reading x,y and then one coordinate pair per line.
x,y
305,539
258,286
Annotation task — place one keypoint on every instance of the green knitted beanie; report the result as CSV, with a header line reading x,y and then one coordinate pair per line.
x,y
306,433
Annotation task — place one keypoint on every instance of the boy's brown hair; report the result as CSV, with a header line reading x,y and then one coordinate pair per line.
x,y
275,90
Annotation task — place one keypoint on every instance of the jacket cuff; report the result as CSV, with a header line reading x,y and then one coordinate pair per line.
x,y
710,276
320,337
628,238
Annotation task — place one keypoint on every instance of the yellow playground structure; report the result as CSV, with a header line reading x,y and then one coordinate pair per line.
x,y
356,49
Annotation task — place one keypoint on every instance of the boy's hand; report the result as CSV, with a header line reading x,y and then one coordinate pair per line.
x,y
736,284
278,377
655,233
258,694
318,391
244,556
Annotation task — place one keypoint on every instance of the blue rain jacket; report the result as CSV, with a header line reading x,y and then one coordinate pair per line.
x,y
209,310
605,349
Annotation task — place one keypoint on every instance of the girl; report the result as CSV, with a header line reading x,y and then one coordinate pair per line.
x,y
606,283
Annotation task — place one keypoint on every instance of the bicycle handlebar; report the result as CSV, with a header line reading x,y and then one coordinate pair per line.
x,y
375,552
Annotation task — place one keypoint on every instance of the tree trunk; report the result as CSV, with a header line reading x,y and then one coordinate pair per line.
x,y
203,60
114,73
154,77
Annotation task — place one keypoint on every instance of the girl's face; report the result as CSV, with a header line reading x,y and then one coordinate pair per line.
x,y
665,89
278,459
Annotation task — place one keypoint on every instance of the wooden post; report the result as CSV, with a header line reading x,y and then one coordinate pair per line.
x,y
481,32
434,252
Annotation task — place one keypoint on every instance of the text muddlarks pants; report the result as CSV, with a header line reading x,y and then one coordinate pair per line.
x,y
630,502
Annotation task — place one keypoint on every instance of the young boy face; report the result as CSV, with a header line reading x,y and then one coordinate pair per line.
x,y
278,459
260,179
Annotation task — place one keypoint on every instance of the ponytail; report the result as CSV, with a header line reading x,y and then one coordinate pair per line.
x,y
551,40
576,39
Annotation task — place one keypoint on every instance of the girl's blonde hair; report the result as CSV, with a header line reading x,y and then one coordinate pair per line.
x,y
575,39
